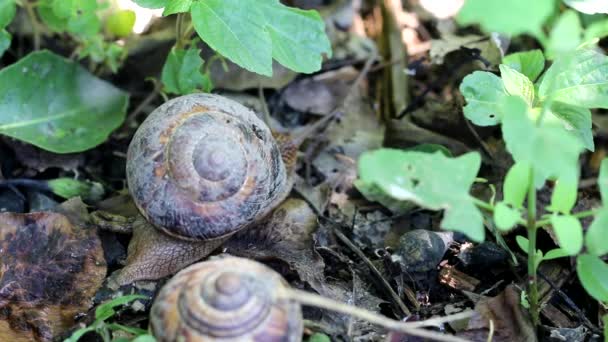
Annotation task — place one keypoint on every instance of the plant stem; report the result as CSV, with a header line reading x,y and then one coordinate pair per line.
x,y
531,225
178,30
410,328
489,207
581,214
29,8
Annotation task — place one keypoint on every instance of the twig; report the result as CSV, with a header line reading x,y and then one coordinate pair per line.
x,y
410,328
264,105
29,8
375,271
143,104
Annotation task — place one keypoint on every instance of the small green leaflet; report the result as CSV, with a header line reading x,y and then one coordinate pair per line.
x,y
177,6
505,216
569,233
432,181
253,32
512,17
59,106
516,184
517,83
484,93
595,238
181,73
564,194
8,8
530,63
593,275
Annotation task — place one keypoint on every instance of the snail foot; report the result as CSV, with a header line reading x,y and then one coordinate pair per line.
x,y
153,255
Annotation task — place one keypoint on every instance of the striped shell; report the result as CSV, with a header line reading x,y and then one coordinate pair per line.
x,y
228,299
202,167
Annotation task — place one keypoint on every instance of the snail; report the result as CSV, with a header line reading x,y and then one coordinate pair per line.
x,y
227,299
200,168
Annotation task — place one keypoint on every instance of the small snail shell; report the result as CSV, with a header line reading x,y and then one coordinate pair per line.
x,y
202,167
228,299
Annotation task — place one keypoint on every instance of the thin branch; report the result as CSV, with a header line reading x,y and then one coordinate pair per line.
x,y
410,328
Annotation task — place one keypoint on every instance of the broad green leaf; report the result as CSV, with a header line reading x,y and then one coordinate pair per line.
x,y
177,6
505,216
577,119
298,36
484,93
253,32
588,6
593,275
374,194
106,310
49,18
58,105
569,233
144,338
64,8
511,17
235,29
318,337
530,63
516,184
8,8
564,194
152,3
84,23
432,181
517,83
579,79
548,148
598,29
565,35
5,41
595,238
555,253
182,72
120,23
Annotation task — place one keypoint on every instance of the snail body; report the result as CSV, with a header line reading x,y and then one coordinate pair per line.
x,y
200,168
227,299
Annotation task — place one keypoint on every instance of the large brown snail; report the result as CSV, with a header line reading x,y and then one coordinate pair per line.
x,y
227,299
200,168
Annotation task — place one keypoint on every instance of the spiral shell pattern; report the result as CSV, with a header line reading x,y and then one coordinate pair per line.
x,y
202,167
228,299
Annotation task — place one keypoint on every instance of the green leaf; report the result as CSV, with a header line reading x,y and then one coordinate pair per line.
x,y
131,330
505,216
512,17
58,105
593,275
523,243
154,4
530,63
144,338
484,93
569,233
595,238
431,148
577,119
517,83
47,14
252,32
8,8
555,254
238,35
177,6
588,6
564,194
182,72
432,181
598,29
516,184
76,335
106,310
298,36
602,180
63,8
548,148
5,41
84,23
68,188
120,23
318,337
579,79
565,35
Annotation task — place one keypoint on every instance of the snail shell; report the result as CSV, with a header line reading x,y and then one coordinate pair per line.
x,y
202,167
228,299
